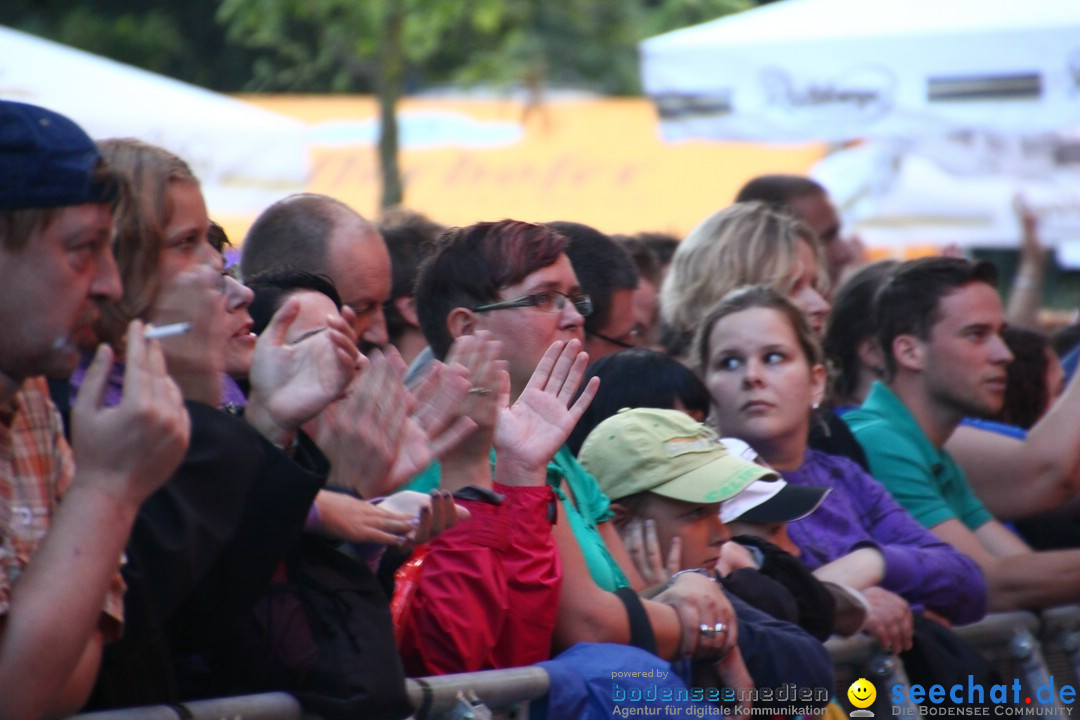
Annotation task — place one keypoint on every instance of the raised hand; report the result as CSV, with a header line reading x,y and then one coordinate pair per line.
x,y
478,355
131,449
378,436
442,400
361,432
196,359
1031,247
530,432
292,382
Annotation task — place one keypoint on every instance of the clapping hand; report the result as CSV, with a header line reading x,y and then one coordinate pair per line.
x,y
292,382
530,432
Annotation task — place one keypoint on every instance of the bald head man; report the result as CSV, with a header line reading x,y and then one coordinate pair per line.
x,y
322,235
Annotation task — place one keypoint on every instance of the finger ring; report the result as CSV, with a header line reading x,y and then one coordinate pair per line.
x,y
477,390
707,631
720,628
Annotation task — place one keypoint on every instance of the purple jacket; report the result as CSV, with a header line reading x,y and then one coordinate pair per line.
x,y
919,567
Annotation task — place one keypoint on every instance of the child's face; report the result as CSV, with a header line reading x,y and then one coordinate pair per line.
x,y
697,525
776,533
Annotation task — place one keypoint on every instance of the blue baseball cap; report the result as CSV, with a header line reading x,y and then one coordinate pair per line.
x,y
46,160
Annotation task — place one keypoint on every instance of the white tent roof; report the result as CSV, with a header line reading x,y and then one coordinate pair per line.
x,y
245,156
802,70
965,103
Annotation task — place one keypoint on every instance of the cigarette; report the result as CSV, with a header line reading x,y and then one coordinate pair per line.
x,y
164,331
310,333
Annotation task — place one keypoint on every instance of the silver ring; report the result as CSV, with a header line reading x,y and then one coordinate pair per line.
x,y
707,631
720,628
477,390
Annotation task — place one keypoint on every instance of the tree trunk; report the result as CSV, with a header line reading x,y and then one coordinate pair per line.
x,y
391,78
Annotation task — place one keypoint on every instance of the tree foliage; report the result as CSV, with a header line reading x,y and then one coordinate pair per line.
x,y
378,46
333,45
178,39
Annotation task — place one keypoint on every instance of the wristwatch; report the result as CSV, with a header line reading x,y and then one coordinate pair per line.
x,y
700,571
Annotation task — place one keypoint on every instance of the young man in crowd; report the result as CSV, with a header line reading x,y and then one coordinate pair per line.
x,y
608,276
939,324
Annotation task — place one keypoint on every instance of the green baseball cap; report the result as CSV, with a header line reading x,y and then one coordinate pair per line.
x,y
668,453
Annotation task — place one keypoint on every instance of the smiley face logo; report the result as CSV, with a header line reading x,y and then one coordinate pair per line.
x,y
862,693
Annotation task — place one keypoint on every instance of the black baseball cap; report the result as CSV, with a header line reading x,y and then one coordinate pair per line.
x,y
769,501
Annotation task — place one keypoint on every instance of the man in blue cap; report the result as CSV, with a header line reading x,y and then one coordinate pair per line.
x,y
60,588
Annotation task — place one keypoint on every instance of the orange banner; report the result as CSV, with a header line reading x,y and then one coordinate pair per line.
x,y
596,161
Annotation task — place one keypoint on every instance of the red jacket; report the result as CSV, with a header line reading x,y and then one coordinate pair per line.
x,y
488,590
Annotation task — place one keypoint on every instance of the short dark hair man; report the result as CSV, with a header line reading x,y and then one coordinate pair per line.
x,y
608,276
410,237
60,593
322,235
809,201
939,324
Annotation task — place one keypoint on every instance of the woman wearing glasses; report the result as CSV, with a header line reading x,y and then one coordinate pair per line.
x,y
514,282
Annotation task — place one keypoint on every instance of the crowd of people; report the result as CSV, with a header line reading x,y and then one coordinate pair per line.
x,y
374,450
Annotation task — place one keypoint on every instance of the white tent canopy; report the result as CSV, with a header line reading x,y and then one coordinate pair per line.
x,y
965,104
894,200
246,157
833,70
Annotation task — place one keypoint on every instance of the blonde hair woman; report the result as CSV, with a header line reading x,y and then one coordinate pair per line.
x,y
747,243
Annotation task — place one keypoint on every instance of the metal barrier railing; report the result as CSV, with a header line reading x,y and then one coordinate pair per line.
x,y
1010,642
1019,644
860,656
1060,640
505,692
266,706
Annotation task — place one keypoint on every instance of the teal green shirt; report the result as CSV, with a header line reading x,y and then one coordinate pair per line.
x,y
593,508
922,478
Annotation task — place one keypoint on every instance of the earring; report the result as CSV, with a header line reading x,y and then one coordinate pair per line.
x,y
814,406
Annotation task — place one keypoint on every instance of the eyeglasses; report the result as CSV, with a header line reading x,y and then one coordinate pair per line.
x,y
632,343
549,301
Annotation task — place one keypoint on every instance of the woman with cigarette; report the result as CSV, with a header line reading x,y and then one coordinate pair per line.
x,y
202,547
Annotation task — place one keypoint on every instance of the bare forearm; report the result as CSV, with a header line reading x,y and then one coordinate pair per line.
x,y
1033,581
1017,478
57,603
589,614
859,569
1025,296
1054,442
